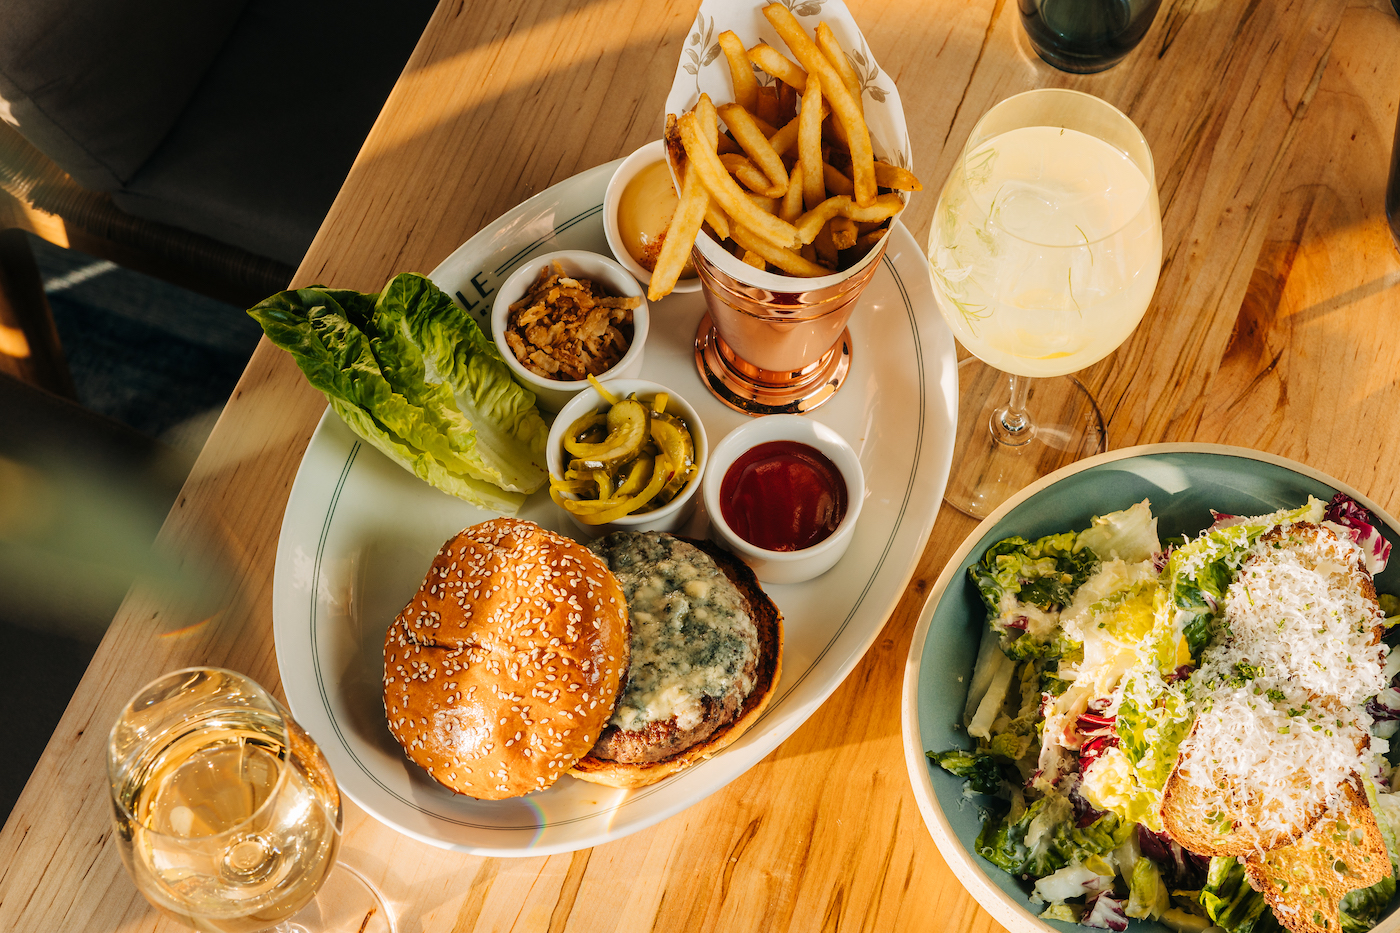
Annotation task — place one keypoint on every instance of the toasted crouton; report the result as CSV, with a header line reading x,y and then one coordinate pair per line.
x,y
1279,735
1305,882
1216,822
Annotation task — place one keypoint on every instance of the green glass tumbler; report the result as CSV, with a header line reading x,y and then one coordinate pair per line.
x,y
1085,36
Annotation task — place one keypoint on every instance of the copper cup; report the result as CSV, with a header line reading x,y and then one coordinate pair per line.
x,y
775,343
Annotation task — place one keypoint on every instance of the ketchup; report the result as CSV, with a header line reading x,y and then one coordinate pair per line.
x,y
783,496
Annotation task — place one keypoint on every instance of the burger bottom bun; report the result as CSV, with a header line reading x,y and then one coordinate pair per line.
x,y
769,622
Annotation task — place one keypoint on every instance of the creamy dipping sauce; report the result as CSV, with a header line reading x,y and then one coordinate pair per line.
x,y
643,213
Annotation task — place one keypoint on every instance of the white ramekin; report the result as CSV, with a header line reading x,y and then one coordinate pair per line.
x,y
554,394
785,566
648,154
672,515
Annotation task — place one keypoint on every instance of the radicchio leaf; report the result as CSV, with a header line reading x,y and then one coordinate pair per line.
x,y
1365,530
1106,912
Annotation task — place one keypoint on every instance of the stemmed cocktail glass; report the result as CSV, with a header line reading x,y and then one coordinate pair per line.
x,y
1044,252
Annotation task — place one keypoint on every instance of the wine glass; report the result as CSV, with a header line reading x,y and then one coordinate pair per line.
x,y
227,815
1044,253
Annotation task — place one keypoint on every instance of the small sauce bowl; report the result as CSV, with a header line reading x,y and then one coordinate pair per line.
x,y
554,394
671,516
650,154
784,566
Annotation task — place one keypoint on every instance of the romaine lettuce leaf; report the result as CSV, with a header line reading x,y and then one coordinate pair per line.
x,y
1044,573
1045,838
1147,891
1361,909
981,770
413,375
1228,899
1129,535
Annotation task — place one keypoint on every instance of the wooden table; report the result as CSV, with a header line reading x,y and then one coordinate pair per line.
x,y
1274,326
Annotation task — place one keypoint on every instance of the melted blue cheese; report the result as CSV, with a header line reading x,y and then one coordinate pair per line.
x,y
691,635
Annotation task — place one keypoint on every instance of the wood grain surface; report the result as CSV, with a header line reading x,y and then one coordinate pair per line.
x,y
1276,325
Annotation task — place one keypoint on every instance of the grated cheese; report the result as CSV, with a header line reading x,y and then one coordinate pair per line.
x,y
1281,724
1299,612
1284,759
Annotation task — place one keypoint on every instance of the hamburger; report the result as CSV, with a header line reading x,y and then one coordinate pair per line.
x,y
519,659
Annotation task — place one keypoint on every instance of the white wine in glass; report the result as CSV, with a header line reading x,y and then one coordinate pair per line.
x,y
226,813
1044,253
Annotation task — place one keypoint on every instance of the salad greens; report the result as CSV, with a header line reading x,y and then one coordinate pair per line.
x,y
411,373
1081,697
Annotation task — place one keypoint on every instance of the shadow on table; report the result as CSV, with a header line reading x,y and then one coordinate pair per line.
x,y
81,500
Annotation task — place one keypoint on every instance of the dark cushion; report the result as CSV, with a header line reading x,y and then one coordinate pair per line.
x,y
97,84
265,144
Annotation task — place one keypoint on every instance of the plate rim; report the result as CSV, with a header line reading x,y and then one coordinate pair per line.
x,y
936,359
971,875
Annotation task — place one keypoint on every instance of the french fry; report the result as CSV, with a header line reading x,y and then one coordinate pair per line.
x,y
811,223
787,102
836,183
725,190
809,144
826,246
681,232
751,258
867,240
769,205
725,144
892,176
755,142
750,175
789,261
791,208
826,41
843,232
764,127
740,71
709,121
717,220
843,105
785,139
779,66
767,109
707,118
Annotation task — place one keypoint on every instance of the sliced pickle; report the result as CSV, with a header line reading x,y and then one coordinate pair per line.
x,y
605,484
588,467
675,442
636,475
620,507
577,487
591,428
628,422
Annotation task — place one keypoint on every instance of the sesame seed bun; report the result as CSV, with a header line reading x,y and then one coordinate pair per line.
x,y
503,669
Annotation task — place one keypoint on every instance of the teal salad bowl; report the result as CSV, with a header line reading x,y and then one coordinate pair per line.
x,y
1183,482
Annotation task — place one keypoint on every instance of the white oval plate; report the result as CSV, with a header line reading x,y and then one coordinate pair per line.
x,y
359,533
1184,482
